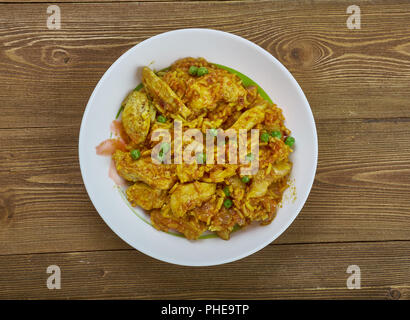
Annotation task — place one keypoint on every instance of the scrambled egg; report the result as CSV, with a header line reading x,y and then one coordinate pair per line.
x,y
193,198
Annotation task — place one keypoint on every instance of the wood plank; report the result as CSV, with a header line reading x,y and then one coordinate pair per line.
x,y
358,210
276,272
361,191
47,76
89,1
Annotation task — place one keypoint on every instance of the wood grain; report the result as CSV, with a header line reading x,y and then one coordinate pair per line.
x,y
273,273
90,1
361,191
357,83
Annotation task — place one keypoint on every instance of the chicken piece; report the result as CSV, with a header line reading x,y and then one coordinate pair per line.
x,y
233,90
160,176
221,172
141,194
201,96
238,188
261,209
164,98
189,172
177,81
208,209
259,185
225,220
262,180
137,115
280,170
214,88
189,196
188,225
250,117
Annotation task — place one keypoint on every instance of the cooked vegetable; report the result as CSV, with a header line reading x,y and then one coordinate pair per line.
x,y
245,179
276,134
226,191
193,70
202,71
161,119
135,154
265,137
290,141
227,203
165,147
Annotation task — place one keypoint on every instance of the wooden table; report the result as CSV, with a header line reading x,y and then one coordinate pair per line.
x,y
358,213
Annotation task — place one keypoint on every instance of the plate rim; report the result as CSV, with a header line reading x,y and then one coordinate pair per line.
x,y
275,235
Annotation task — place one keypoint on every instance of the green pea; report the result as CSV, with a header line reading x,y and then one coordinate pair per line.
x,y
276,134
193,70
265,137
290,141
135,154
245,179
213,132
227,203
249,157
165,147
161,119
201,158
226,191
161,155
202,71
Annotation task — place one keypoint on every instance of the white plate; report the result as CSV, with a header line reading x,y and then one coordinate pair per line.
x,y
161,51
